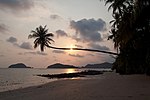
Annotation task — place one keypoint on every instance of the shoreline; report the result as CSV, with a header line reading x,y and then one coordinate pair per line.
x,y
21,78
108,86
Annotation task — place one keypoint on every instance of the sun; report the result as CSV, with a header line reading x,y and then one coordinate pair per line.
x,y
71,51
72,46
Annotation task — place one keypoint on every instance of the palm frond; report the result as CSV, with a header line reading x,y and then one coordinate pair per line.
x,y
33,36
42,37
49,39
49,35
36,45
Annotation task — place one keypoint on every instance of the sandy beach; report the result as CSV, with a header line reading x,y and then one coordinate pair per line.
x,y
109,86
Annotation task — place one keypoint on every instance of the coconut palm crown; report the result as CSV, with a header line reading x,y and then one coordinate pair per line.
x,y
42,37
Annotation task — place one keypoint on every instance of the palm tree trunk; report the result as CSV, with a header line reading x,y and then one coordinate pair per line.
x,y
92,50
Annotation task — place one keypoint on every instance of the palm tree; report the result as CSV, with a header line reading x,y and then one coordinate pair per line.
x,y
43,39
118,6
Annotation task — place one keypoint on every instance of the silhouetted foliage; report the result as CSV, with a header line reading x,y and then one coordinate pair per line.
x,y
130,32
42,37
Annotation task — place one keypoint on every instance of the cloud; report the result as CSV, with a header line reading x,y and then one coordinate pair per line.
x,y
58,51
61,33
88,30
33,53
41,53
91,55
26,45
20,53
54,17
12,40
76,55
36,53
79,46
3,28
15,5
99,47
2,56
77,39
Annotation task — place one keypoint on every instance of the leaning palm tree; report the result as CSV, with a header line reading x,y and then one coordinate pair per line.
x,y
43,39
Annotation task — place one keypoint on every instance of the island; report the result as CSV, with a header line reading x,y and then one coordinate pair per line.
x,y
59,65
18,65
101,65
105,65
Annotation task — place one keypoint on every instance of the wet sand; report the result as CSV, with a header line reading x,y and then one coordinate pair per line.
x,y
109,86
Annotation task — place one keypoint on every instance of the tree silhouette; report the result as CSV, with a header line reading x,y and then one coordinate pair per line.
x,y
130,32
43,39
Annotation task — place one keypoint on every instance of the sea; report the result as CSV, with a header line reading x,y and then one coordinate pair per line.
x,y
16,78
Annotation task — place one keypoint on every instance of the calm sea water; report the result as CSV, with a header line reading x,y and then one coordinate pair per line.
x,y
14,78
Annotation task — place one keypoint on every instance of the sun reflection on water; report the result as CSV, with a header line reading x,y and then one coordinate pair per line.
x,y
70,70
73,71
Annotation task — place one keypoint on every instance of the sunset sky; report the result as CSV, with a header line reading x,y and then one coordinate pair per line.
x,y
74,23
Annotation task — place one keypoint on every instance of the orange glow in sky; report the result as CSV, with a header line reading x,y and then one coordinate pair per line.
x,y
73,23
71,51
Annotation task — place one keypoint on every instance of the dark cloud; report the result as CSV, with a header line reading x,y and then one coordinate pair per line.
x,y
54,17
99,47
76,55
15,5
61,33
3,28
12,40
88,30
26,45
58,51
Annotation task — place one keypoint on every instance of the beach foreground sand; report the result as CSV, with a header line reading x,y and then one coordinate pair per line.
x,y
109,86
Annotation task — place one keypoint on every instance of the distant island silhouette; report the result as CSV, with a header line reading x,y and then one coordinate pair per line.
x,y
18,65
101,65
59,65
